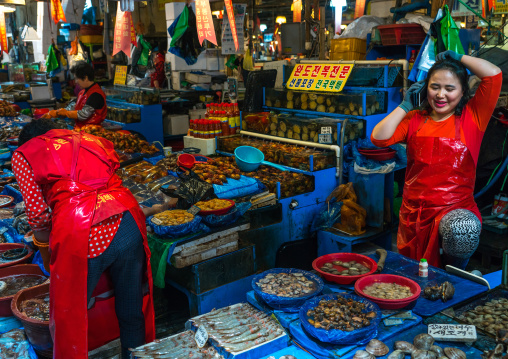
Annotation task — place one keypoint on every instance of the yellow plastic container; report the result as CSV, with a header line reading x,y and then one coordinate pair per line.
x,y
348,55
91,39
348,44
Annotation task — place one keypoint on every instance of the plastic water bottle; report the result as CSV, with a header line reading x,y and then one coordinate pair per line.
x,y
423,270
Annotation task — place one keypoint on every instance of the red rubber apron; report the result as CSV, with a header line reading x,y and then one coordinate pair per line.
x,y
99,115
440,177
76,206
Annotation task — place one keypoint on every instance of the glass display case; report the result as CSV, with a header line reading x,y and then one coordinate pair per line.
x,y
16,73
124,113
306,159
302,128
134,95
353,103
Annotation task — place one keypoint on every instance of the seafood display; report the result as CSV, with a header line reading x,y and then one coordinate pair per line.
x,y
220,169
143,172
388,291
347,268
341,313
9,132
6,109
177,346
239,327
5,200
213,204
300,128
287,284
422,348
282,153
144,98
491,317
123,114
138,96
127,143
12,284
170,162
36,308
444,292
14,345
172,217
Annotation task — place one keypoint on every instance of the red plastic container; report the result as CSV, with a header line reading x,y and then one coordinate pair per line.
x,y
5,302
401,34
344,257
8,200
6,246
380,155
186,160
219,211
388,278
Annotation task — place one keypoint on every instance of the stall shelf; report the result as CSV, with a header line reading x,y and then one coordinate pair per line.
x,y
150,125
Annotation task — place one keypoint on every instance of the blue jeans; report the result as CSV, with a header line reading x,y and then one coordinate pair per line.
x,y
125,260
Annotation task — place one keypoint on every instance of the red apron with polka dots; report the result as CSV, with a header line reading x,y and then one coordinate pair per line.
x,y
59,160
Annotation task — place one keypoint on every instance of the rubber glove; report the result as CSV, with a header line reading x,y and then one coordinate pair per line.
x,y
68,114
448,54
50,114
407,104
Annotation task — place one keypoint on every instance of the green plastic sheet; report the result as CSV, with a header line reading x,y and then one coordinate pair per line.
x,y
450,33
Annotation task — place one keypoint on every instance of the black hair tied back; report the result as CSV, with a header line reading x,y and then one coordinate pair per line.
x,y
34,129
459,70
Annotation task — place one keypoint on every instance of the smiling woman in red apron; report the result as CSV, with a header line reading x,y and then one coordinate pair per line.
x,y
443,142
77,203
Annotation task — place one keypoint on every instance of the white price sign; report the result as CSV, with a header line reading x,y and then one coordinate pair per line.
x,y
326,130
326,139
201,336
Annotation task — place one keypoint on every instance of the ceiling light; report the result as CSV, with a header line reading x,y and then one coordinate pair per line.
x,y
6,8
280,20
263,27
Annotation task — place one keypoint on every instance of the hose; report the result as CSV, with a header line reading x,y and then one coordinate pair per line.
x,y
494,180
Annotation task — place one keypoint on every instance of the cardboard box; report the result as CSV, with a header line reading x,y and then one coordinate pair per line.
x,y
176,78
175,124
196,114
198,78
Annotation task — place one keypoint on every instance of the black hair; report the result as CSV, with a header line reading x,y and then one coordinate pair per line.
x,y
82,69
459,70
34,129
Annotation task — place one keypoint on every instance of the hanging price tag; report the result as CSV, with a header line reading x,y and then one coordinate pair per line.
x,y
201,336
326,130
194,210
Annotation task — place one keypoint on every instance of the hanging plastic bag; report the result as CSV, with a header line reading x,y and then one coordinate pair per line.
x,y
248,64
191,190
450,33
51,61
145,51
74,47
328,215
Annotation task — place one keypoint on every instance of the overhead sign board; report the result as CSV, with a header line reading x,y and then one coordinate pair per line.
x,y
319,77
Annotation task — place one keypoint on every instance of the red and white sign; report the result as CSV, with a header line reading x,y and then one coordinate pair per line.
x,y
297,10
204,22
3,33
232,21
124,32
57,12
359,8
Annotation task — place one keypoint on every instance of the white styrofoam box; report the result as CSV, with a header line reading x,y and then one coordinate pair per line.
x,y
173,9
196,114
197,78
175,124
41,93
179,64
381,8
215,63
206,145
176,79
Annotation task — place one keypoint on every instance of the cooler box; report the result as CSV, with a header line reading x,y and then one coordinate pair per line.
x,y
176,124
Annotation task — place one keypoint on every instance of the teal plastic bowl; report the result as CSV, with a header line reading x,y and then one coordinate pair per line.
x,y
248,158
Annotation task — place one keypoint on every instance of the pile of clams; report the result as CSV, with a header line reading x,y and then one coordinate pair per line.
x,y
422,348
345,268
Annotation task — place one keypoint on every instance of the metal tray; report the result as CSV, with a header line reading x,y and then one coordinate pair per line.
x,y
457,310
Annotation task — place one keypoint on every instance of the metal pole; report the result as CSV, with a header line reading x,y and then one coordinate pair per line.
x,y
322,33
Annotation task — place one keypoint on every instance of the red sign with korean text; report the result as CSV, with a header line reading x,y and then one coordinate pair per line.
x,y
204,22
232,22
297,10
318,77
3,33
124,32
57,12
359,8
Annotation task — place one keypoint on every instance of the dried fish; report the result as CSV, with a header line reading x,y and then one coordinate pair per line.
x,y
287,284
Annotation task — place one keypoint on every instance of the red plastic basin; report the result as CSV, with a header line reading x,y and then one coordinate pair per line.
x,y
379,156
186,160
6,246
5,302
388,278
344,257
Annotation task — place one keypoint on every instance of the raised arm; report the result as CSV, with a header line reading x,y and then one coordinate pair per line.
x,y
480,67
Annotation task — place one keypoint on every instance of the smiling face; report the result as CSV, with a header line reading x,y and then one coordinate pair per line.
x,y
444,93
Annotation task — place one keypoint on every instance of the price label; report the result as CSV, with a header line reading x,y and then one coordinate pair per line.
x,y
194,210
201,336
156,221
326,130
120,75
453,332
325,138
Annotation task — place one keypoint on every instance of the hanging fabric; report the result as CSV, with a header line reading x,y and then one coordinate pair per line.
x,y
184,37
145,51
51,61
450,33
57,12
